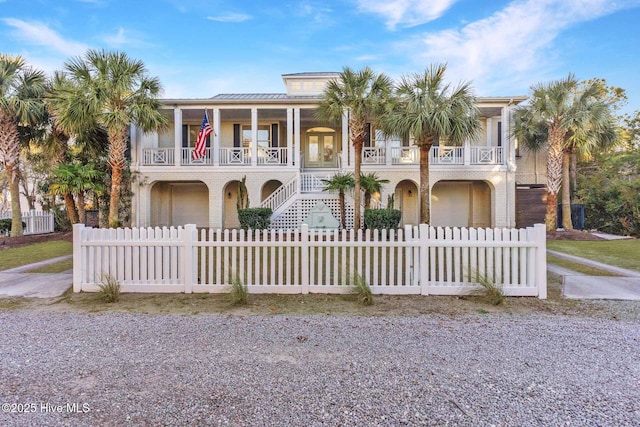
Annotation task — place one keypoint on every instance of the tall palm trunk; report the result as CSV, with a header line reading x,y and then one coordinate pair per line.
x,y
10,159
16,212
574,172
61,156
357,129
425,200
566,192
357,146
117,148
554,176
81,210
70,204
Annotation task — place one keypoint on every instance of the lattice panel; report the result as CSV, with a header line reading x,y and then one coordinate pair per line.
x,y
293,217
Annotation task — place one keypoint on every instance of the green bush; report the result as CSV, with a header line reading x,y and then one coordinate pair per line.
x,y
380,219
5,225
255,218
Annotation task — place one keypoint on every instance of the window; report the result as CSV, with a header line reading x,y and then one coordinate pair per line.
x,y
190,136
264,136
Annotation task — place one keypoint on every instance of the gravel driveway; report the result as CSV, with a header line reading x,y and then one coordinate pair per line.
x,y
123,369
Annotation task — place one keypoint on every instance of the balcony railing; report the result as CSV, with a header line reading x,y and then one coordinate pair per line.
x,y
158,156
487,155
446,156
405,155
278,156
272,156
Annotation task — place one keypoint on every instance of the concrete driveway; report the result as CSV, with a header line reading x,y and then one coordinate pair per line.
x,y
16,282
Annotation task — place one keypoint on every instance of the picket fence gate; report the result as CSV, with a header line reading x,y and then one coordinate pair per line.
x,y
36,222
414,260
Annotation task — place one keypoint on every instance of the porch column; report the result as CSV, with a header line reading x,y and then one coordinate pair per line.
x,y
177,121
507,141
254,137
215,147
345,139
388,151
289,137
489,132
296,137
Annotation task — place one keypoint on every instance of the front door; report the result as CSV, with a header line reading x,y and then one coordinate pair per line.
x,y
321,151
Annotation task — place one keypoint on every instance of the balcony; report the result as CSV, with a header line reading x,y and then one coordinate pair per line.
x,y
235,156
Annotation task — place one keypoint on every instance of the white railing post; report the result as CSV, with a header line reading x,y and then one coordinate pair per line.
x,y
388,152
466,153
189,260
540,232
424,258
304,258
78,261
31,222
52,223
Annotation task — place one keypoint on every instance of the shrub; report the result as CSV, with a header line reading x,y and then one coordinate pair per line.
x,y
60,219
255,218
379,219
109,289
5,225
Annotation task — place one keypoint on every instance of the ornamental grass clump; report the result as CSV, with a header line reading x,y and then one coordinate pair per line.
x,y
239,294
109,290
490,292
362,290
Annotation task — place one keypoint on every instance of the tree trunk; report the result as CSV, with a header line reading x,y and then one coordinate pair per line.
x,y
114,201
357,146
117,148
425,199
574,172
16,212
554,175
10,159
551,217
566,192
81,211
367,200
72,213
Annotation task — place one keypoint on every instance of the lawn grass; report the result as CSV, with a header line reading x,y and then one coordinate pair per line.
x,y
57,267
15,257
620,253
577,267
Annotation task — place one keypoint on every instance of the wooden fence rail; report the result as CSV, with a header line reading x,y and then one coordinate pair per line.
x,y
414,260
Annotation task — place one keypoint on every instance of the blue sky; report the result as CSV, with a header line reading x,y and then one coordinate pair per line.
x,y
199,48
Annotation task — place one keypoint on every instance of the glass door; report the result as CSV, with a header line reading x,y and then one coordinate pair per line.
x,y
320,151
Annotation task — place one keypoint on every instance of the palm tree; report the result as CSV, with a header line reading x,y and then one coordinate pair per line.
x,y
371,184
78,179
340,183
429,110
111,91
564,116
364,95
21,92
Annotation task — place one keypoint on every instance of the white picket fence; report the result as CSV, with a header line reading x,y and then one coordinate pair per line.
x,y
37,222
415,260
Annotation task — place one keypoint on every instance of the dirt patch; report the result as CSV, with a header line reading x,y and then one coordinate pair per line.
x,y
14,242
571,235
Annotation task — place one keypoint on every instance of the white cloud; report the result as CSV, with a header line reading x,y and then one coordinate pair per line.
x,y
511,43
230,17
38,33
125,38
406,13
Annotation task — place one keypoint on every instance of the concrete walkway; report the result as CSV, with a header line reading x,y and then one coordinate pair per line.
x,y
579,286
15,282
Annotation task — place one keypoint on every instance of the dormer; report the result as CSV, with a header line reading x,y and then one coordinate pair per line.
x,y
307,84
